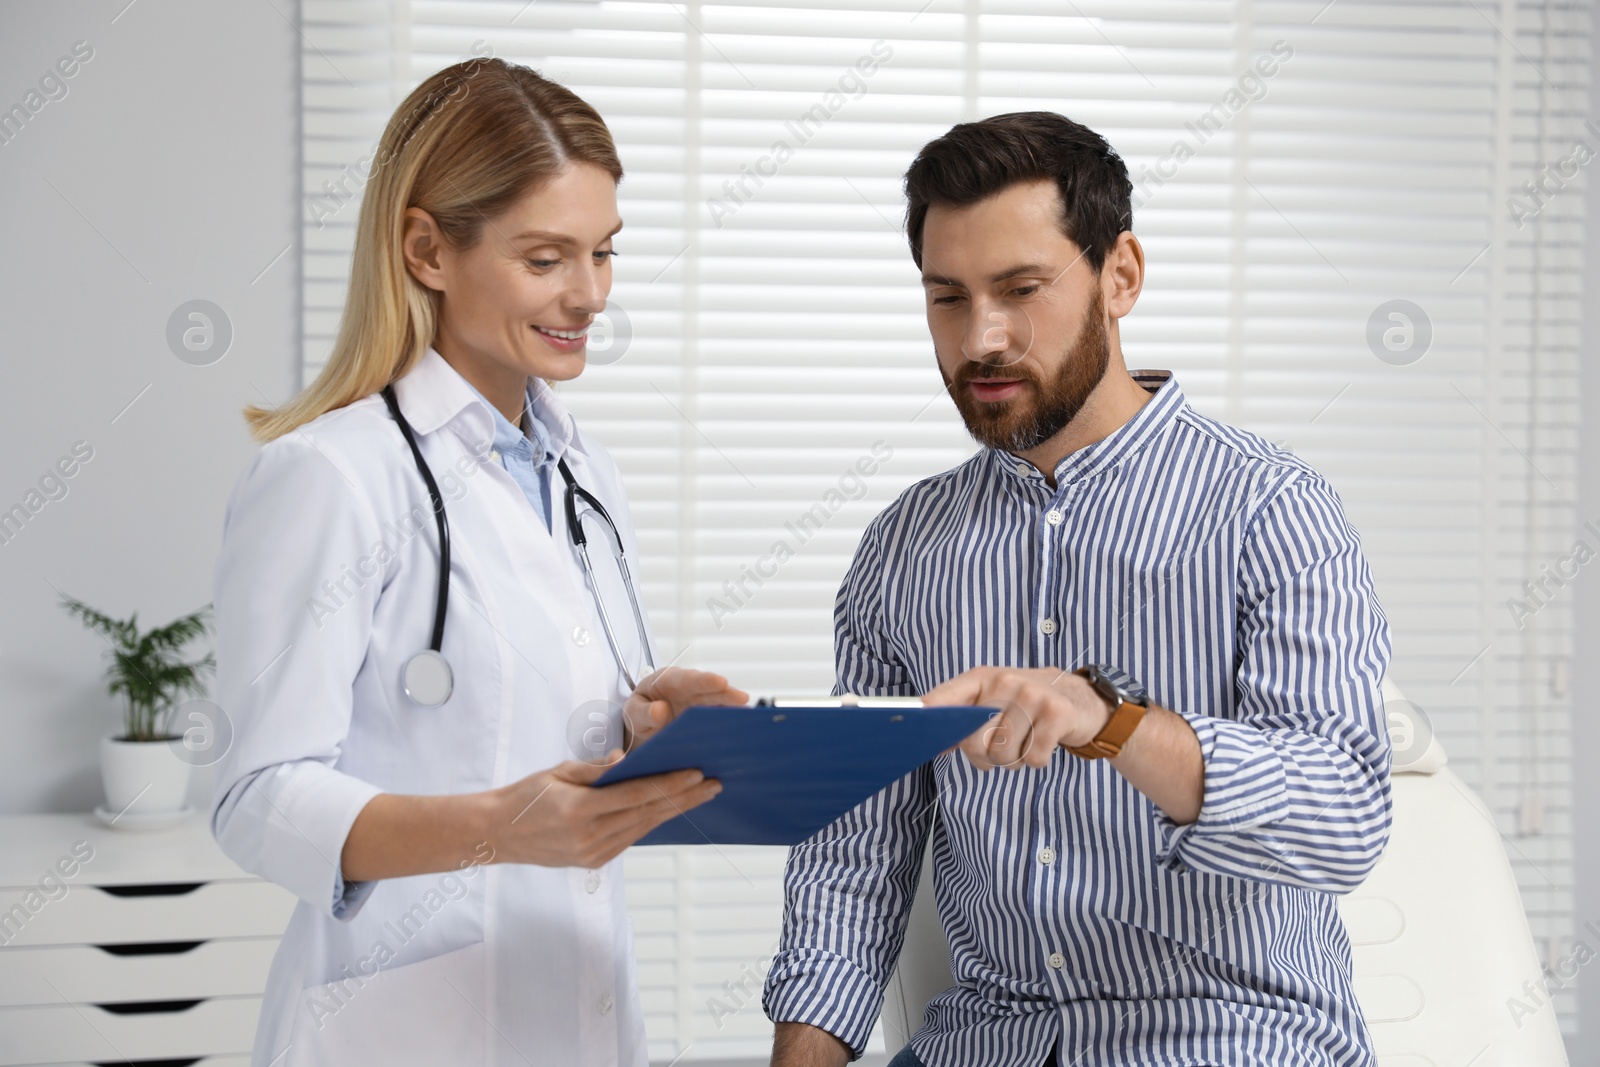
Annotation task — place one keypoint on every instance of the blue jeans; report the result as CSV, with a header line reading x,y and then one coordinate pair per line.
x,y
905,1058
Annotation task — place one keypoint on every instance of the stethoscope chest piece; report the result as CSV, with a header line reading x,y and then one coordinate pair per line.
x,y
427,678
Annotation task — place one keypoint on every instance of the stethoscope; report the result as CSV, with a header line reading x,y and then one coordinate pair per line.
x,y
426,676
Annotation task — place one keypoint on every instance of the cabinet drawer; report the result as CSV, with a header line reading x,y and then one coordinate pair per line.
x,y
98,915
69,1032
158,971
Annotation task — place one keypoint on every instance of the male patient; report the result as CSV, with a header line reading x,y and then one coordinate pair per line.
x,y
1136,861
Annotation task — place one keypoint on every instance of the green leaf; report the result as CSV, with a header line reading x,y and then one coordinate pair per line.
x,y
146,668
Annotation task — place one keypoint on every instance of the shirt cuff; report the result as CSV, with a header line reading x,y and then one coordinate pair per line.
x,y
824,990
349,896
1245,786
305,828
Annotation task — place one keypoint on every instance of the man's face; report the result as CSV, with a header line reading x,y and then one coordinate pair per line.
x,y
1016,314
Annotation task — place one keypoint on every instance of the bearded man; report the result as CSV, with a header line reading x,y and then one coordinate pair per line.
x,y
1136,862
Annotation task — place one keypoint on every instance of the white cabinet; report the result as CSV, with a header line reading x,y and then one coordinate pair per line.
x,y
124,947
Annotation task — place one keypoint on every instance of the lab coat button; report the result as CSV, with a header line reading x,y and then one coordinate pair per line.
x,y
1048,626
1047,856
605,1003
1057,960
580,636
592,882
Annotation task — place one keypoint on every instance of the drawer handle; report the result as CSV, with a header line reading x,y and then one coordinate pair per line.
x,y
149,1007
190,1062
151,948
151,889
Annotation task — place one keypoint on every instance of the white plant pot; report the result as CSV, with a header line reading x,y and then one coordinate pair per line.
x,y
144,777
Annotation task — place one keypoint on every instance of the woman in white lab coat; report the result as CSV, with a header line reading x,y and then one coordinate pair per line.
x,y
460,895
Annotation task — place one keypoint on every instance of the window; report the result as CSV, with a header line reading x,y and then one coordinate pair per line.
x,y
1364,243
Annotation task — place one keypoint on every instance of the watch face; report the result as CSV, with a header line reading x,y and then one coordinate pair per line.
x,y
1104,686
1118,686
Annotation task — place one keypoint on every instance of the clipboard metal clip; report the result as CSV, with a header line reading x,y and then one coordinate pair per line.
x,y
843,700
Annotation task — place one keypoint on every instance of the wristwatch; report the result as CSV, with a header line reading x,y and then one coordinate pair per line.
x,y
1128,702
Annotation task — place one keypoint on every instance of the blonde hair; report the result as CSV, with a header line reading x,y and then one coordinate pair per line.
x,y
465,145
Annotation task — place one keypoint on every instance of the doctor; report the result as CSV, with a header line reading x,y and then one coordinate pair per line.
x,y
413,757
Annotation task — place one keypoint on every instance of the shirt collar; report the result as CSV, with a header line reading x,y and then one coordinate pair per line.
x,y
433,394
1148,423
509,438
546,408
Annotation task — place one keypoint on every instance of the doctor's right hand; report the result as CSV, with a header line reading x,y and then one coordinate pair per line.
x,y
557,818
663,695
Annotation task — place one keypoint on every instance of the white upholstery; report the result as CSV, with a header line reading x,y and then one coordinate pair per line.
x,y
1439,940
924,968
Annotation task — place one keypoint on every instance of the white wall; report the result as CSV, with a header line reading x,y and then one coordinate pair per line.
x,y
167,173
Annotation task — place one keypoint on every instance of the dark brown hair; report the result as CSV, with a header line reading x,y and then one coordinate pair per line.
x,y
975,160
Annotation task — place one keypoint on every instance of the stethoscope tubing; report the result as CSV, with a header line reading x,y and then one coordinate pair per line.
x,y
437,500
580,537
575,530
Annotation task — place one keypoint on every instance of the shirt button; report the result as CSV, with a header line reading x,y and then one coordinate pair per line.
x,y
1053,518
592,882
1047,856
605,1003
1057,960
1023,469
1048,626
494,454
580,636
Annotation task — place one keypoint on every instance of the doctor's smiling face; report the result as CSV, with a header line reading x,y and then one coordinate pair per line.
x,y
519,302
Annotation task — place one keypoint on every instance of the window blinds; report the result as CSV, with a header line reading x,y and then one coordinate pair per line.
x,y
1364,242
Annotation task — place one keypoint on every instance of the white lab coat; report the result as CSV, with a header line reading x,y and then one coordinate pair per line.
x,y
325,586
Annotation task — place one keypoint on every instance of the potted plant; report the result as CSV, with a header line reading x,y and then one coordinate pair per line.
x,y
143,769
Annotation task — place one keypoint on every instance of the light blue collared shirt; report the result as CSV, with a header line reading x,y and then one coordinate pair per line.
x,y
530,458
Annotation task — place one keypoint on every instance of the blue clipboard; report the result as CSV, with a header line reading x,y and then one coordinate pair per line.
x,y
787,772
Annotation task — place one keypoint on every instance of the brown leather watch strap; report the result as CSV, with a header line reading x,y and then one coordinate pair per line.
x,y
1107,744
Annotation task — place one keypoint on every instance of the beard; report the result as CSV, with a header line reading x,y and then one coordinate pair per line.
x,y
1045,406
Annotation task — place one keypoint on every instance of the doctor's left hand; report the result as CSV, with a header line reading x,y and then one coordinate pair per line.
x,y
663,695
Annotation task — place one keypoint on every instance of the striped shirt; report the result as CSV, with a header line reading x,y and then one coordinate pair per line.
x,y
1219,571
